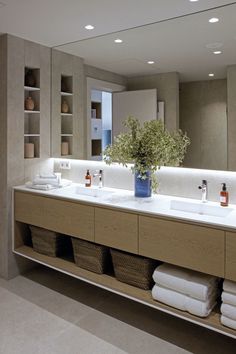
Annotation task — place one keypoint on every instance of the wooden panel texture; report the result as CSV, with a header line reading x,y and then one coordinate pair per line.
x,y
116,229
58,215
195,247
230,256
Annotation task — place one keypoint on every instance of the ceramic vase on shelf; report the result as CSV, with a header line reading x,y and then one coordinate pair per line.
x,y
142,187
29,150
64,107
30,79
29,104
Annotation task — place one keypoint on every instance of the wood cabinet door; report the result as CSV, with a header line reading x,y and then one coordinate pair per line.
x,y
230,255
62,216
190,246
116,229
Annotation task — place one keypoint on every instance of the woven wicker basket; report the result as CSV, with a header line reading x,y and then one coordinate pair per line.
x,y
48,242
132,269
91,256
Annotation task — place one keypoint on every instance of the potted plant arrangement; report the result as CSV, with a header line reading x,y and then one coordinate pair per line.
x,y
147,147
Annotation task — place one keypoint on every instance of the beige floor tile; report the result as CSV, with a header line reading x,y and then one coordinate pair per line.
x,y
48,312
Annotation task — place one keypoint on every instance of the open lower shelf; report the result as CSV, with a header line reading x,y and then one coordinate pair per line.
x,y
110,283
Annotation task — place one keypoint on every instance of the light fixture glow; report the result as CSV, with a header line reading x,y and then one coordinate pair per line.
x,y
89,27
151,62
214,20
211,75
217,52
118,40
193,0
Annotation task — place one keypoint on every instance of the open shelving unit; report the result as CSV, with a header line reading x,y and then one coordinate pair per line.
x,y
67,117
109,282
32,117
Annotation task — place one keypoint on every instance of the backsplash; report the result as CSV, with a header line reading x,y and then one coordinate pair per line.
x,y
176,181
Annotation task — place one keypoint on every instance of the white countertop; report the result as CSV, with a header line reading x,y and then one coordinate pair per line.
x,y
157,205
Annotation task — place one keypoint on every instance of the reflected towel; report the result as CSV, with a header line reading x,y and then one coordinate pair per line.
x,y
228,322
197,285
229,298
228,311
229,286
183,302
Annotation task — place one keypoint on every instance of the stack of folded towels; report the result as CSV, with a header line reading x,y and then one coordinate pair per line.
x,y
228,307
185,289
48,181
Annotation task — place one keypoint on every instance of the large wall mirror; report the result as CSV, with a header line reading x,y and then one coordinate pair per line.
x,y
185,68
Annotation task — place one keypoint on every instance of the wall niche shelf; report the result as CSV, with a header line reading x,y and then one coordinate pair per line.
x,y
29,88
32,117
32,112
67,118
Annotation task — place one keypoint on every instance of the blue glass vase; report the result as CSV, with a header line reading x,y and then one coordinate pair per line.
x,y
142,187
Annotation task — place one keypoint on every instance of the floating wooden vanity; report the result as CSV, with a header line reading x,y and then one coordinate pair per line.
x,y
210,250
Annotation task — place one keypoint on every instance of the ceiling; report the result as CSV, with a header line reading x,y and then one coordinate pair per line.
x,y
184,45
55,22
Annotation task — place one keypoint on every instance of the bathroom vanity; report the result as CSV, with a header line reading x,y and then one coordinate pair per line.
x,y
203,239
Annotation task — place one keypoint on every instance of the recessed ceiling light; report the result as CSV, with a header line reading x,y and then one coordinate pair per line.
x,y
214,20
118,40
211,75
217,52
151,62
193,0
89,27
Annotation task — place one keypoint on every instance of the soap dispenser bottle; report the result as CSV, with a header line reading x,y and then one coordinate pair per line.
x,y
224,196
88,179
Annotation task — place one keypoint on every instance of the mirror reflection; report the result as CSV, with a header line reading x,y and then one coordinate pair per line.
x,y
182,71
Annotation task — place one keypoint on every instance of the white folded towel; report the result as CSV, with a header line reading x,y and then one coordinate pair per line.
x,y
48,175
43,187
197,285
183,302
228,322
53,181
228,298
228,311
48,186
229,286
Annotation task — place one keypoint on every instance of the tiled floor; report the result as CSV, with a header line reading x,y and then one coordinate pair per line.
x,y
47,312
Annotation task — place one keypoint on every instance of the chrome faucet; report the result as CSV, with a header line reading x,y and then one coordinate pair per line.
x,y
99,174
204,189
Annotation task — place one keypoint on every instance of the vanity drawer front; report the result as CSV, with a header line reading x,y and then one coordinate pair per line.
x,y
195,247
230,256
116,229
54,214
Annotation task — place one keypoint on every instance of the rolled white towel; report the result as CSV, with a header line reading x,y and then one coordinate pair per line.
x,y
228,298
229,286
228,311
197,285
228,322
183,302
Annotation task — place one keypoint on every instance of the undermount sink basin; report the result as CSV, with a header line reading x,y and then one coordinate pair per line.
x,y
87,191
200,208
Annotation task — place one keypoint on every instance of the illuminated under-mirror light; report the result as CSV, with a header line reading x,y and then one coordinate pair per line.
x,y
151,62
211,75
89,27
214,20
217,52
